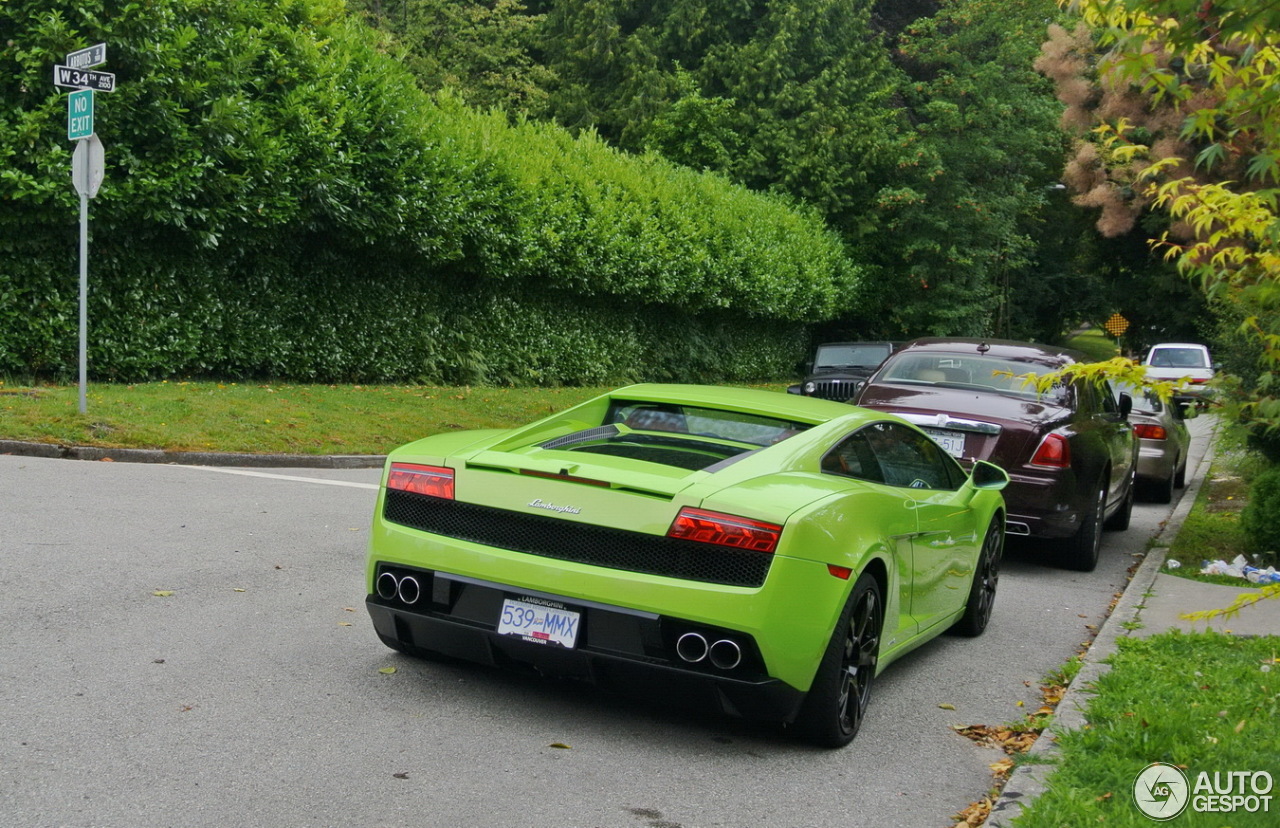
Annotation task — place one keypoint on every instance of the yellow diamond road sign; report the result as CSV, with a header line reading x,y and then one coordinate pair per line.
x,y
1116,324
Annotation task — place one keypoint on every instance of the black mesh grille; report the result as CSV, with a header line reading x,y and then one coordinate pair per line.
x,y
579,542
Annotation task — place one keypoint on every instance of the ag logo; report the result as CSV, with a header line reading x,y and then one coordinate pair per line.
x,y
1161,791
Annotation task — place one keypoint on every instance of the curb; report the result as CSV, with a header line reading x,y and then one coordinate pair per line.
x,y
1030,779
193,458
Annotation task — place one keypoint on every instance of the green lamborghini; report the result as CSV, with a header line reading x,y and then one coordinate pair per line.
x,y
775,550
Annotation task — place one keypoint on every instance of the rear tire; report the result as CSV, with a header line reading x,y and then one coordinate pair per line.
x,y
835,705
1162,492
1180,479
1080,551
982,593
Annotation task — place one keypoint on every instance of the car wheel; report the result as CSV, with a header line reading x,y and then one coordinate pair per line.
x,y
1162,492
834,707
1119,519
982,593
1180,479
1080,552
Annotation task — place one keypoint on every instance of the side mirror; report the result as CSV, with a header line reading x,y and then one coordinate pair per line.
x,y
988,476
1126,405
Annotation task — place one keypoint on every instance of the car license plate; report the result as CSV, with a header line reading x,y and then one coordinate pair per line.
x,y
952,442
539,621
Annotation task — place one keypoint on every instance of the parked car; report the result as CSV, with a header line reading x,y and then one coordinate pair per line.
x,y
839,369
776,550
1163,443
1071,453
1172,361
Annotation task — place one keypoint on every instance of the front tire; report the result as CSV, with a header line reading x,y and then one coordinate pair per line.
x,y
982,593
835,705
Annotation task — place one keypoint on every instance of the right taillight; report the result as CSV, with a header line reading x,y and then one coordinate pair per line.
x,y
725,530
1054,452
1150,431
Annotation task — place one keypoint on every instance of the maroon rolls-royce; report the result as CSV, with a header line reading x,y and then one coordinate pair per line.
x,y
1070,453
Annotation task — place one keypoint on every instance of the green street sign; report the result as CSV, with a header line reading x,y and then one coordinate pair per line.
x,y
80,114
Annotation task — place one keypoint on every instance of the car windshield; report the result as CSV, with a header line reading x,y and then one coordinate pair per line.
x,y
984,373
687,437
850,356
1178,358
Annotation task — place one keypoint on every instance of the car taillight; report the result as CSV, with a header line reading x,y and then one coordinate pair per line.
x,y
1054,452
1150,431
434,481
725,530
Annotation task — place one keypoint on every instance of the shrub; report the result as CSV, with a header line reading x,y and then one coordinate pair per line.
x,y
1260,518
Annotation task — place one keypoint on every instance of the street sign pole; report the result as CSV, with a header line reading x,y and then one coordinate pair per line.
x,y
87,168
84,300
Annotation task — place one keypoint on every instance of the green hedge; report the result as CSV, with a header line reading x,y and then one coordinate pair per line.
x,y
281,200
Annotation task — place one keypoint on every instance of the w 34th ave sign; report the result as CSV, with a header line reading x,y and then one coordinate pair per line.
x,y
83,79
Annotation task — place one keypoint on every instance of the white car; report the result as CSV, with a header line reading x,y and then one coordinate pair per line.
x,y
1172,361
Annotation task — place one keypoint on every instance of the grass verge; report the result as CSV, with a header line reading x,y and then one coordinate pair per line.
x,y
1205,702
262,418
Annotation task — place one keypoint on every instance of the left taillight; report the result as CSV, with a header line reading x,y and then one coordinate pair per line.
x,y
1150,431
705,526
433,481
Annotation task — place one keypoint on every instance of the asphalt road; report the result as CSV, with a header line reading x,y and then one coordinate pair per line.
x,y
252,693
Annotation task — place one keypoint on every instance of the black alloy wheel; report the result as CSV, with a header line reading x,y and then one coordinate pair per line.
x,y
836,704
986,577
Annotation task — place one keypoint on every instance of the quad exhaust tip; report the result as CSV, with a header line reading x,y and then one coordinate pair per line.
x,y
407,589
724,654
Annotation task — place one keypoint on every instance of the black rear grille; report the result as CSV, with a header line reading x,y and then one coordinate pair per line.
x,y
579,542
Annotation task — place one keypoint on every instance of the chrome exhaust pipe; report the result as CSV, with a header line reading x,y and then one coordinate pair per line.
x,y
691,647
410,590
387,586
725,654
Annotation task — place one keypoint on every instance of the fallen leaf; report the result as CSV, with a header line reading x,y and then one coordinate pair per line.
x,y
946,706
162,593
108,460
1104,797
349,609
560,746
401,775
387,670
1240,727
344,623
237,589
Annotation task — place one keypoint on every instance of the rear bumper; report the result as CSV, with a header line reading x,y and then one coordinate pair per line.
x,y
457,616
1042,507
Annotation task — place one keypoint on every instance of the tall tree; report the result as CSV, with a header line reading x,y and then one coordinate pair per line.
x,y
1180,96
480,49
968,203
798,92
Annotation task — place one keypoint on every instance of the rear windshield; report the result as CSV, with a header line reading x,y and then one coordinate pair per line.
x,y
1178,358
850,356
687,437
983,373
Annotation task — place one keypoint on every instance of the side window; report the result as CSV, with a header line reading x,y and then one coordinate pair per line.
x,y
1109,398
854,458
895,455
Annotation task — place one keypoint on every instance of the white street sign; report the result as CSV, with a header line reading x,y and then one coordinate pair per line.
x,y
83,79
95,55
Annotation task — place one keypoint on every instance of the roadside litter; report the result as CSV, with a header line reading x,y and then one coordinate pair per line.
x,y
1240,568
